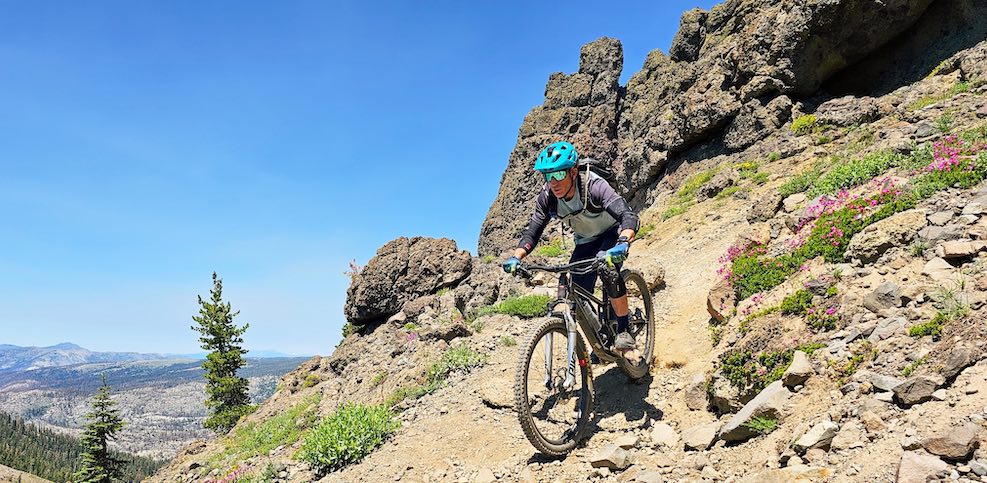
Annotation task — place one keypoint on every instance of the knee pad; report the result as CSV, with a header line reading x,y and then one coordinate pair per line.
x,y
613,283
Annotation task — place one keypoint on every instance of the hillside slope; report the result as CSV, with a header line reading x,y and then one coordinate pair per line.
x,y
850,230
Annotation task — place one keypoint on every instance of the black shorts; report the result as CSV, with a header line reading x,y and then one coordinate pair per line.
x,y
614,288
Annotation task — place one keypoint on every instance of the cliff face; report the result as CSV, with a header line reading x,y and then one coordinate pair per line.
x,y
732,76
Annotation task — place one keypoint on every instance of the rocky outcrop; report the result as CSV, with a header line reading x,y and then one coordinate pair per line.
x,y
401,271
731,76
580,108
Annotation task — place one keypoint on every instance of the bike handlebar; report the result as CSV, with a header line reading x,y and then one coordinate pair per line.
x,y
578,267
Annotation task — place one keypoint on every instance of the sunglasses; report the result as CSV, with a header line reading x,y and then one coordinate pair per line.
x,y
556,175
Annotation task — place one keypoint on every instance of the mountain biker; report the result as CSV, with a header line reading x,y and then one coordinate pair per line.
x,y
599,217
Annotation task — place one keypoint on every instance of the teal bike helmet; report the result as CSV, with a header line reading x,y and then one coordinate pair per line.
x,y
556,157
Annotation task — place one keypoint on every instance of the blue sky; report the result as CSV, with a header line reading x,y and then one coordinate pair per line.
x,y
144,145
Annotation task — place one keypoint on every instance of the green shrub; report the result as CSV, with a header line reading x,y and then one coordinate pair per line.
x,y
347,436
932,327
442,291
687,192
674,211
796,303
746,369
378,378
488,259
831,291
551,249
823,139
945,123
804,124
774,156
507,341
761,424
311,380
910,368
966,175
411,326
282,429
752,274
644,231
852,173
460,358
800,182
526,307
819,319
760,178
349,329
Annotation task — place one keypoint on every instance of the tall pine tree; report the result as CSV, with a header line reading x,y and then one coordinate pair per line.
x,y
227,394
96,465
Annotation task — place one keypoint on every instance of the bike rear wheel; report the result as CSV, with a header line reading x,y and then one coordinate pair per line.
x,y
552,417
637,363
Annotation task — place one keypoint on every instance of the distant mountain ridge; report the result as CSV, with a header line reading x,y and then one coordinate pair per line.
x,y
17,358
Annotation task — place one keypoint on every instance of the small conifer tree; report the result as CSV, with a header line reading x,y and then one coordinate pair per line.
x,y
95,463
227,397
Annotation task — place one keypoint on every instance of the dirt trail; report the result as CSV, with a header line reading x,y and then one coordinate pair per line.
x,y
457,432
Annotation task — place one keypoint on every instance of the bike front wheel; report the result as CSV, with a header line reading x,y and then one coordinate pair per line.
x,y
553,412
637,363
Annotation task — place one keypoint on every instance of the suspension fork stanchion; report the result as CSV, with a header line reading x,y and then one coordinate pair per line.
x,y
548,360
570,374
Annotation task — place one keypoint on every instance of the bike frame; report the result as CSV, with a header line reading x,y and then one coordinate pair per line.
x,y
576,318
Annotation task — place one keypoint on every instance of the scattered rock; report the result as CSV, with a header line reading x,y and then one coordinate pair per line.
x,y
792,202
941,233
497,396
953,443
917,389
696,396
764,207
940,218
700,437
960,357
939,270
872,422
897,230
769,403
960,249
484,476
847,111
611,457
917,467
820,436
627,441
721,301
885,296
664,435
848,438
648,476
799,371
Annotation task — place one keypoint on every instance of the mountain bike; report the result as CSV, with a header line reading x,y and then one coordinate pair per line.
x,y
554,404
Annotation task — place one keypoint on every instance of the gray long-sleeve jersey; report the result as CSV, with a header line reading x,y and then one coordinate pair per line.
x,y
605,209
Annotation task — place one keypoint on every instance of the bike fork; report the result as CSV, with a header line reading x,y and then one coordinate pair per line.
x,y
570,349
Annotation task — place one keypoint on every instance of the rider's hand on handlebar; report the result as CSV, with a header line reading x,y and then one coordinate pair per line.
x,y
511,265
618,253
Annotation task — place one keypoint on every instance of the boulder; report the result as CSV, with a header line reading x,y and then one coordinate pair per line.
x,y
769,403
917,467
953,443
700,437
847,111
885,296
798,371
726,397
917,389
721,301
403,270
939,270
696,396
879,381
820,436
940,218
792,202
689,38
948,232
611,456
720,181
960,249
627,441
664,435
896,230
960,357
